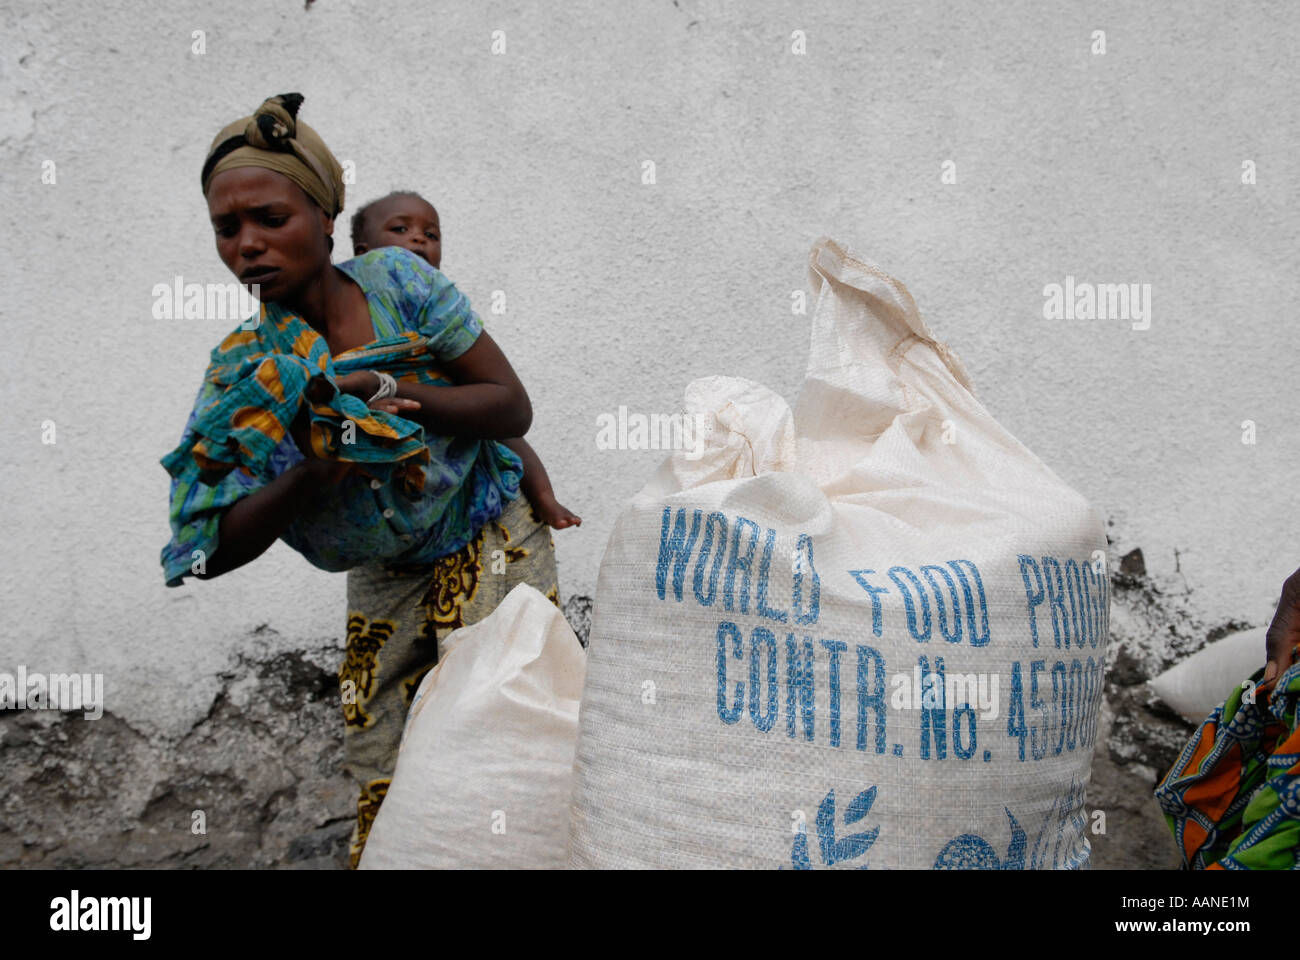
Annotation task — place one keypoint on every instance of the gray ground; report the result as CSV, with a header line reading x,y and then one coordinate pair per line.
x,y
264,763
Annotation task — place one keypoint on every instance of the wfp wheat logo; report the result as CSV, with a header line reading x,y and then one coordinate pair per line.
x,y
76,913
208,301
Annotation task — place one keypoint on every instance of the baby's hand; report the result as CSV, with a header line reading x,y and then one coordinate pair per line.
x,y
359,383
556,516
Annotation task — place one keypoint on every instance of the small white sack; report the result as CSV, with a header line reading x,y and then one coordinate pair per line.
x,y
484,773
870,633
1195,686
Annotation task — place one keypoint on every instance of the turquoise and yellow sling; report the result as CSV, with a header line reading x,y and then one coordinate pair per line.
x,y
413,497
242,427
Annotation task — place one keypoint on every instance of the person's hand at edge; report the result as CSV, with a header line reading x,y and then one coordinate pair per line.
x,y
1284,631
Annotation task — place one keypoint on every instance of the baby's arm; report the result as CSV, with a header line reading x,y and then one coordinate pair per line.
x,y
536,486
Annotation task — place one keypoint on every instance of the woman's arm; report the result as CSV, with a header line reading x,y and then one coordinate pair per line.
x,y
250,525
488,402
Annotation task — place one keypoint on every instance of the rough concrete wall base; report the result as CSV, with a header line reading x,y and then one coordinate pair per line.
x,y
264,765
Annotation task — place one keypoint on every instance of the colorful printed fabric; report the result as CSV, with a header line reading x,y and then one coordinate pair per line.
x,y
396,620
1233,798
412,498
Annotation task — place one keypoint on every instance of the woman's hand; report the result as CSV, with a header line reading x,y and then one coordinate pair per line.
x,y
365,384
397,405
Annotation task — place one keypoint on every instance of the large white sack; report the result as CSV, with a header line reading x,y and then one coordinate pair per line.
x,y
704,743
484,773
1204,680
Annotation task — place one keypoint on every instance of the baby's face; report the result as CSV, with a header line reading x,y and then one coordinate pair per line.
x,y
404,222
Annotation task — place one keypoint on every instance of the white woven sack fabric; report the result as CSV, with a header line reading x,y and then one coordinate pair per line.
x,y
1195,686
484,774
780,624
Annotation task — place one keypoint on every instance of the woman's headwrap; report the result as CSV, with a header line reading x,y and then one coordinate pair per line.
x,y
274,138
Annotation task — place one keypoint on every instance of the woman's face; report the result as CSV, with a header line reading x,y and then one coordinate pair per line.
x,y
269,232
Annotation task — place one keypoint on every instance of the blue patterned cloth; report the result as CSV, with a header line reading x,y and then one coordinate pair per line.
x,y
413,498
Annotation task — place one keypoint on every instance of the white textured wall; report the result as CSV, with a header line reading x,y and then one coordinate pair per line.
x,y
1116,168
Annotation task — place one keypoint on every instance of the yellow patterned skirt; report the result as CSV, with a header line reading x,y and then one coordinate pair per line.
x,y
396,619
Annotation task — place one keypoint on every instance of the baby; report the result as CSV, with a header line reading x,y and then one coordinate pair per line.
x,y
405,219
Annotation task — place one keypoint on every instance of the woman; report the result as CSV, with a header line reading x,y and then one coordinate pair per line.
x,y
282,443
